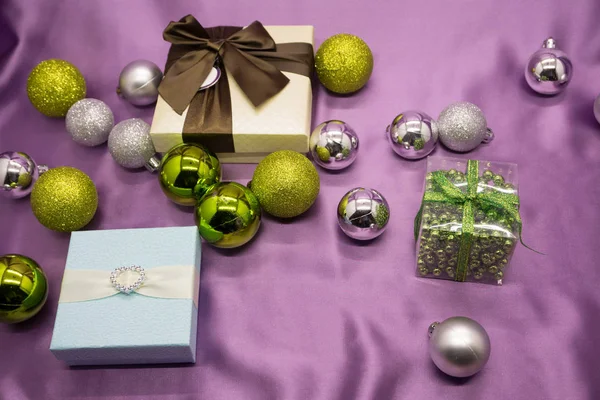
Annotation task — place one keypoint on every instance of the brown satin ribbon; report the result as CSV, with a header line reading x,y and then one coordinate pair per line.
x,y
249,54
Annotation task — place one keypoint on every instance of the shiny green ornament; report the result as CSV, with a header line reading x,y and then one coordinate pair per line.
x,y
64,199
286,183
23,288
228,215
344,63
187,171
54,86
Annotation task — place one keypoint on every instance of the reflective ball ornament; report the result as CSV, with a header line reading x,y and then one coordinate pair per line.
x,y
462,127
131,146
53,86
459,346
64,199
413,135
138,82
228,215
344,63
363,213
89,122
23,288
548,70
333,145
187,171
286,183
18,174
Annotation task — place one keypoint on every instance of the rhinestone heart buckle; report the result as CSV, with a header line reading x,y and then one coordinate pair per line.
x,y
124,288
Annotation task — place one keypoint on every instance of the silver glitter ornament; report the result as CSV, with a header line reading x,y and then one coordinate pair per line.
x,y
413,134
459,346
333,145
548,70
18,173
89,121
130,145
363,213
462,127
138,82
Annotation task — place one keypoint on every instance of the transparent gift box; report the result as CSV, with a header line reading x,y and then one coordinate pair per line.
x,y
468,225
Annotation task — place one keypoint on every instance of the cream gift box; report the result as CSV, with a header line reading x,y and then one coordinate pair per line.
x,y
281,123
96,324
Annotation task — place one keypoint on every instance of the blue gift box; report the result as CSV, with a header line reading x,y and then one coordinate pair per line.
x,y
129,328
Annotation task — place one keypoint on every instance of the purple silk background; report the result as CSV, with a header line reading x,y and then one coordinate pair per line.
x,y
304,312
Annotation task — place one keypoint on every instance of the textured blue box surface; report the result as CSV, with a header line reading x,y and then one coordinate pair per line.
x,y
129,329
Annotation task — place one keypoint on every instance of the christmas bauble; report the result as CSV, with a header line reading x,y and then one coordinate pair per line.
x,y
413,135
64,199
23,288
363,213
462,127
459,346
286,183
18,173
138,82
344,63
131,146
187,171
89,121
333,145
228,215
54,86
548,70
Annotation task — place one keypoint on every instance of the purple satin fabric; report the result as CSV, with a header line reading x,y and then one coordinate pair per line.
x,y
303,312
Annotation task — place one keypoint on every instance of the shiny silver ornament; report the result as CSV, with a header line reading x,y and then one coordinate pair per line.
x,y
413,135
549,70
138,82
333,145
130,145
89,121
462,127
363,213
18,173
459,346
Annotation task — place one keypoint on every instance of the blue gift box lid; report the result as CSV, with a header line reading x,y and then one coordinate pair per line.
x,y
129,328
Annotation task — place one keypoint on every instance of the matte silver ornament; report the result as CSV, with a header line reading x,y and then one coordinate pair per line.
x,y
548,70
333,145
130,145
459,346
138,82
18,173
89,121
413,134
462,127
363,213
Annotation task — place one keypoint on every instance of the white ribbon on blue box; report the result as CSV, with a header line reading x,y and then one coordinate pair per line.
x,y
98,325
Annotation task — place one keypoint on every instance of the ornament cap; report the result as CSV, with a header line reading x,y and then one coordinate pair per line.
x,y
153,163
489,136
432,328
549,43
42,168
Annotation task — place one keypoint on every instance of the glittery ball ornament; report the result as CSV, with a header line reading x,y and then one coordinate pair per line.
x,y
131,146
23,288
334,145
548,70
286,183
413,135
344,63
462,127
18,173
89,122
187,171
138,82
459,346
228,215
64,199
54,86
363,213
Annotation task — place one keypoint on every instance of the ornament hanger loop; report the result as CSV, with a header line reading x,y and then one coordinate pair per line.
x,y
432,328
549,43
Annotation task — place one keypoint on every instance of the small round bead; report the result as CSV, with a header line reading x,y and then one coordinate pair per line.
x,y
437,272
423,271
493,269
498,180
487,175
499,275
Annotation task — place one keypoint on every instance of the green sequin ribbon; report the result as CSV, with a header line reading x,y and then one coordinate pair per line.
x,y
445,191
